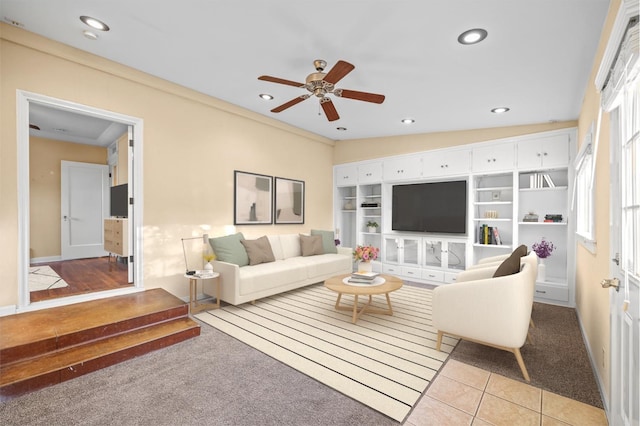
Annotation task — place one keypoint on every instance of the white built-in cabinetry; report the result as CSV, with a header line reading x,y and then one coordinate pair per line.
x,y
501,178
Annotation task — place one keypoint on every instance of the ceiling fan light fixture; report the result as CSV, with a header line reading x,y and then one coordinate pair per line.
x,y
472,36
408,121
500,110
266,96
94,23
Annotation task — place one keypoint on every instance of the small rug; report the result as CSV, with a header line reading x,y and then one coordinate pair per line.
x,y
44,278
384,362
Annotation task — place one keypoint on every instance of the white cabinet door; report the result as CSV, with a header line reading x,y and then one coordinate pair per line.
x,y
446,163
402,168
370,173
493,158
346,175
552,151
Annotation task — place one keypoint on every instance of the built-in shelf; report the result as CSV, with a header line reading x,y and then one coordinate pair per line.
x,y
489,219
494,189
543,223
492,203
496,246
556,188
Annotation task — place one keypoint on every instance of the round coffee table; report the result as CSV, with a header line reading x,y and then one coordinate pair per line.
x,y
390,284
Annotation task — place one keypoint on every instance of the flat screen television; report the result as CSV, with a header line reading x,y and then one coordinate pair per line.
x,y
438,207
119,201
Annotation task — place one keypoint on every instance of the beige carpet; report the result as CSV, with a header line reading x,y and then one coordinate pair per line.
x,y
385,362
44,278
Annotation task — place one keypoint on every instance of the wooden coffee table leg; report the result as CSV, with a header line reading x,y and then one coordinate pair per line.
x,y
389,303
338,301
355,309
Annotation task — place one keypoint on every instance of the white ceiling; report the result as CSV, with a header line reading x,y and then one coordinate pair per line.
x,y
536,59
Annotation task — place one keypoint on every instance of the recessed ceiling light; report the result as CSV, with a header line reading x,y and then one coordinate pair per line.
x,y
342,129
94,23
265,96
90,35
499,110
408,121
473,36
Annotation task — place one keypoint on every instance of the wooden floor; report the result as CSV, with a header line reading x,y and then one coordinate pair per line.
x,y
85,276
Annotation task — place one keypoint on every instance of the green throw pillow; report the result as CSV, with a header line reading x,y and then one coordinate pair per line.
x,y
511,265
229,249
328,240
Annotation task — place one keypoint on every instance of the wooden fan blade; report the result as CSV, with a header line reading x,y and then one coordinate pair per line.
x,y
329,109
34,127
359,96
338,71
280,80
291,103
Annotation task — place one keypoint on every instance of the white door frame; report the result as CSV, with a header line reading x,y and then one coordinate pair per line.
x,y
23,99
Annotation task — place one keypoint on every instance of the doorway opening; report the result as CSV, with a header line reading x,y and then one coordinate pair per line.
x,y
62,234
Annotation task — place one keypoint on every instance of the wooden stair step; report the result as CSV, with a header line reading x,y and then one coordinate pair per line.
x,y
33,333
34,373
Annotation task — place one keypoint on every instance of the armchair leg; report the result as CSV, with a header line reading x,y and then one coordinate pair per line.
x,y
439,341
516,352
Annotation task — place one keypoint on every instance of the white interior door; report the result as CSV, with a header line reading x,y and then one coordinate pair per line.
x,y
85,204
625,256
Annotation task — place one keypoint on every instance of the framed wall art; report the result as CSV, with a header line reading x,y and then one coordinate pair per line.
x,y
289,201
252,199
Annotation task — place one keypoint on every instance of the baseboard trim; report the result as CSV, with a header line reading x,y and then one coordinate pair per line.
x,y
45,259
599,381
8,310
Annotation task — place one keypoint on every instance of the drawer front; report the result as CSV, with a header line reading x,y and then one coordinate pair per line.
x,y
433,275
409,272
391,269
450,277
552,292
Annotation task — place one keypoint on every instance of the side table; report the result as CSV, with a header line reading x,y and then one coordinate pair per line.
x,y
194,305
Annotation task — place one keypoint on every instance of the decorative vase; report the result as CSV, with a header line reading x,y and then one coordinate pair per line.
x,y
208,267
542,271
365,266
373,229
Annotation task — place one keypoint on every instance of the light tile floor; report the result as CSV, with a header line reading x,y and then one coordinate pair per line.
x,y
465,395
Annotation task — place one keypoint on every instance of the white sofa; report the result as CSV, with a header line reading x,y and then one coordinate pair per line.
x,y
291,270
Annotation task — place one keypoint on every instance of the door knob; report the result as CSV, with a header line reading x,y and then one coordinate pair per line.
x,y
617,259
611,282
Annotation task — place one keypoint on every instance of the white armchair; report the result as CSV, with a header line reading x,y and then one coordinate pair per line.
x,y
487,310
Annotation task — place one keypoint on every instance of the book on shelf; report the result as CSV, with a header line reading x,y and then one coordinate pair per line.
x,y
541,180
489,235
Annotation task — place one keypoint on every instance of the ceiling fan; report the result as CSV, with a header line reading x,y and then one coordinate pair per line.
x,y
321,84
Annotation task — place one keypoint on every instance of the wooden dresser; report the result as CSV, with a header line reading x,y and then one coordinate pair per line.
x,y
116,239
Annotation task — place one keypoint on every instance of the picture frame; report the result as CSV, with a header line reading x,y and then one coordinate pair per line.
x,y
252,199
289,201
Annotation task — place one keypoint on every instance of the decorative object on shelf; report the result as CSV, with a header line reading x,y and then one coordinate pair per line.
x,y
541,180
530,217
491,214
349,205
372,226
553,218
543,250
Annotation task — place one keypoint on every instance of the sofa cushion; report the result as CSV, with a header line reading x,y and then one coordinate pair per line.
x,y
271,275
311,245
290,245
328,240
276,246
511,265
324,265
258,250
229,249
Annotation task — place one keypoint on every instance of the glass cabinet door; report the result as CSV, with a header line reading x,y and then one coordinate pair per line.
x,y
391,250
433,253
456,255
411,251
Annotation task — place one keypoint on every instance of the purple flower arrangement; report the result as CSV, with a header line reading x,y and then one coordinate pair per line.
x,y
543,249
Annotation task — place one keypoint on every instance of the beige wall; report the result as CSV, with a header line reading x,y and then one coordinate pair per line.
x,y
122,168
354,150
591,300
45,156
192,145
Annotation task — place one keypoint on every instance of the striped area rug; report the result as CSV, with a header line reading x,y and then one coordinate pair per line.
x,y
385,362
